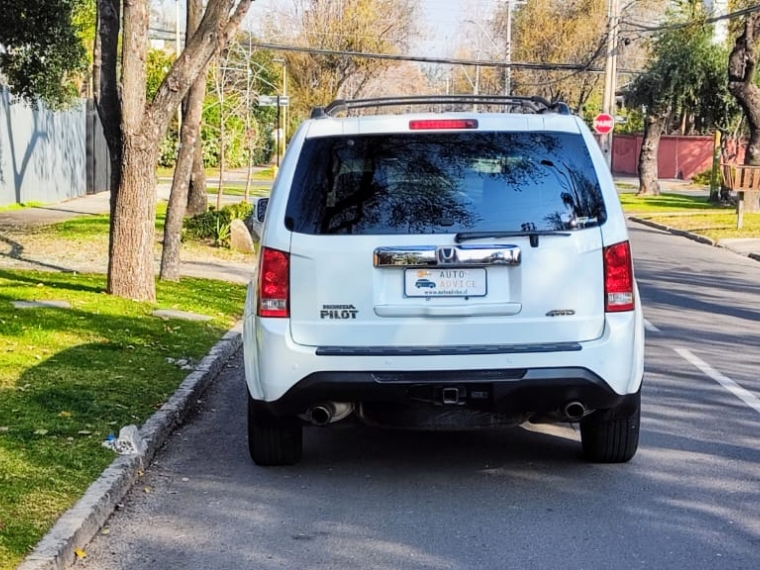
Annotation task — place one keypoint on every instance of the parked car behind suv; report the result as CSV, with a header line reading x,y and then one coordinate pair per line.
x,y
443,270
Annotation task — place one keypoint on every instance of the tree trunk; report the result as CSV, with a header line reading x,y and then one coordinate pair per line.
x,y
190,135
197,196
742,62
222,145
105,93
131,273
132,266
192,109
650,144
133,207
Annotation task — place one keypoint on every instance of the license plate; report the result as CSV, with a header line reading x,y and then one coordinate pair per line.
x,y
445,282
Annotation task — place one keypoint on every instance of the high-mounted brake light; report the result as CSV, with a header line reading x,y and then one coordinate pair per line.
x,y
436,124
274,280
618,278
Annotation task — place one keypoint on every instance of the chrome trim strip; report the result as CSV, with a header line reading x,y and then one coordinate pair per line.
x,y
469,255
412,256
448,350
468,310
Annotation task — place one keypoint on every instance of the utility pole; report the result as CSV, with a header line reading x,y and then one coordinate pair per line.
x,y
285,108
610,74
508,55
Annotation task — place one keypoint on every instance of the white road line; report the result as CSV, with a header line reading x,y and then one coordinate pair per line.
x,y
744,395
650,327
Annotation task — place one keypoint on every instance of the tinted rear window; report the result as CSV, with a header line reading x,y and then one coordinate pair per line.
x,y
444,183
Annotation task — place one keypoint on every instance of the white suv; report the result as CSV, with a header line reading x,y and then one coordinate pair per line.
x,y
443,270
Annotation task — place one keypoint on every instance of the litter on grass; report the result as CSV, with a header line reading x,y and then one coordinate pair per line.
x,y
129,441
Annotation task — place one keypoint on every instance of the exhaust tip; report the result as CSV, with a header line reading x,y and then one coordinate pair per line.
x,y
574,411
320,415
325,413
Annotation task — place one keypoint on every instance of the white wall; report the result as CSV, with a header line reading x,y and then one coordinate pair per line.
x,y
42,154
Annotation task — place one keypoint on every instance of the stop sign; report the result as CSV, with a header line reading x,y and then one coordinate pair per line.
x,y
604,123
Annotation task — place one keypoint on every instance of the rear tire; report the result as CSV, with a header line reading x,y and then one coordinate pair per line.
x,y
612,436
273,440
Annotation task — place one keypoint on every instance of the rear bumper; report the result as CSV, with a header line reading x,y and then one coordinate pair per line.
x,y
507,391
277,368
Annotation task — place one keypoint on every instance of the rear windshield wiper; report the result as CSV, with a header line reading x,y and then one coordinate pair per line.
x,y
532,234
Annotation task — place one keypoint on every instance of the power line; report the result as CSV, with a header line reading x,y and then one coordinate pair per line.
x,y
439,60
712,20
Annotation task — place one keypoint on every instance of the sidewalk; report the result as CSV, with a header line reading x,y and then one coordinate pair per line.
x,y
17,255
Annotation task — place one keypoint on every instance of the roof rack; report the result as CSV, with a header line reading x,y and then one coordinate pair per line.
x,y
531,104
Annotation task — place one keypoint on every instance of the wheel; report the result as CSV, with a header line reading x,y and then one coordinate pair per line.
x,y
273,440
612,436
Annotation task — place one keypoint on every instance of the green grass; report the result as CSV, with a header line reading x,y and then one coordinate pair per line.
x,y
72,376
265,174
714,225
667,203
84,227
240,191
21,206
694,214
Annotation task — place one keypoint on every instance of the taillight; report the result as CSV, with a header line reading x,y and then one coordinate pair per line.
x,y
436,124
274,279
618,278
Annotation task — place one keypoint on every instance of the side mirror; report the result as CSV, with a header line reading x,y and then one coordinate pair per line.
x,y
260,209
257,217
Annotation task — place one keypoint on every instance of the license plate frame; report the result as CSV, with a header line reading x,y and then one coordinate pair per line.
x,y
449,282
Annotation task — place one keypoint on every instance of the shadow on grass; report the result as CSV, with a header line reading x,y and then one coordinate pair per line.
x,y
91,284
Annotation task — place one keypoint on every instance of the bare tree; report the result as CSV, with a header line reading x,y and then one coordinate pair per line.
x,y
378,26
549,32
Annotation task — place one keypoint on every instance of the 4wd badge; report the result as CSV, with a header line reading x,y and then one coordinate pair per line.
x,y
338,312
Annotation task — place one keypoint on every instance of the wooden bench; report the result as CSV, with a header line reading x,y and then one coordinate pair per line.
x,y
741,178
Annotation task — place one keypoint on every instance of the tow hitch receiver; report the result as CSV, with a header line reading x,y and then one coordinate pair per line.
x,y
452,396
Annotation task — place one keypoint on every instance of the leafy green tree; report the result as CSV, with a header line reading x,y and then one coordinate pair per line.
x,y
43,56
685,80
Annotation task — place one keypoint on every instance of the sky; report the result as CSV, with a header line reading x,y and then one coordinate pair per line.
x,y
444,19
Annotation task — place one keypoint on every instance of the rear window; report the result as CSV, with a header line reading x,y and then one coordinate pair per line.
x,y
444,183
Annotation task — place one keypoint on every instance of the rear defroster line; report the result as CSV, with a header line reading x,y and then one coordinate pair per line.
x,y
743,394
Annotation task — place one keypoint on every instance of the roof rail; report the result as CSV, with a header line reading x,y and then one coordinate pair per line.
x,y
530,104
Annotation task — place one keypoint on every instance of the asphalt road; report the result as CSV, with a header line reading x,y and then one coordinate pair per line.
x,y
518,498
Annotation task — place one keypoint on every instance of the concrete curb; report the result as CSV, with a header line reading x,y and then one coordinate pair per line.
x,y
78,525
691,236
683,233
